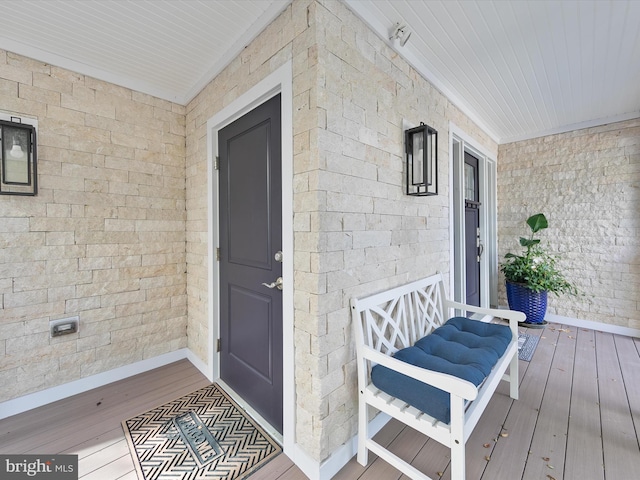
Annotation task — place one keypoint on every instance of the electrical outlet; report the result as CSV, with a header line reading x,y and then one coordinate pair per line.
x,y
64,326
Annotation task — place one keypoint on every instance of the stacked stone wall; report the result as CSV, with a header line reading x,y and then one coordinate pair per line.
x,y
367,234
116,176
587,184
355,231
287,38
104,239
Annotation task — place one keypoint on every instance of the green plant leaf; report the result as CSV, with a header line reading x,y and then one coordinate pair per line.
x,y
529,242
512,255
537,222
536,269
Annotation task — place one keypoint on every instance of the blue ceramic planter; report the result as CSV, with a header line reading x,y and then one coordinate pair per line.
x,y
532,304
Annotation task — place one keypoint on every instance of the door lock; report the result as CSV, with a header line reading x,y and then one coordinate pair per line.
x,y
278,256
277,284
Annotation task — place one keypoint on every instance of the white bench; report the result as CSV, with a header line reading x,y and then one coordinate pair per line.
x,y
392,320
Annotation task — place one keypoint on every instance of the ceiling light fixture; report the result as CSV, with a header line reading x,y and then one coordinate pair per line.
x,y
400,32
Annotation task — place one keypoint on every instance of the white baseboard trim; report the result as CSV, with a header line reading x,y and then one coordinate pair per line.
x,y
309,466
53,394
313,469
591,325
206,370
338,459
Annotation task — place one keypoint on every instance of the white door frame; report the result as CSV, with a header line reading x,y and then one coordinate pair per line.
x,y
280,81
459,142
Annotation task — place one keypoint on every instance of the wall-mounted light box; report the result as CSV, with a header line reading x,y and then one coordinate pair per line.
x,y
18,158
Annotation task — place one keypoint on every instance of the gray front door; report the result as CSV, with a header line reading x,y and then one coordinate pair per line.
x,y
250,239
473,249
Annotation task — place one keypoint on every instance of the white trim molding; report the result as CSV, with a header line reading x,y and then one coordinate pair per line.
x,y
339,458
280,81
570,128
66,390
591,325
459,142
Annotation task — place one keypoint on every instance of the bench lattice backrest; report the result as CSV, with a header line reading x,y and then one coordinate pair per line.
x,y
397,318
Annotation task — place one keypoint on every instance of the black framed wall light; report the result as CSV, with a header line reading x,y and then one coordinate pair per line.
x,y
18,158
421,144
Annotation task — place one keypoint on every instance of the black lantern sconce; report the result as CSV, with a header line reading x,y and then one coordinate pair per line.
x,y
18,174
421,145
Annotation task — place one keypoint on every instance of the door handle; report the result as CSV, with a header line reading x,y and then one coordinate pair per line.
x,y
277,284
480,250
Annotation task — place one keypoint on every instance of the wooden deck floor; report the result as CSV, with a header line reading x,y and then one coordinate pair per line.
x,y
578,417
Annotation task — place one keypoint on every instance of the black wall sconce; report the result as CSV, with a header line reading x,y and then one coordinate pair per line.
x,y
18,173
421,145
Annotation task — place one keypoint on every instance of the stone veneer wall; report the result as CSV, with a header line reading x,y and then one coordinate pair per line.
x,y
368,234
287,38
355,232
103,239
587,184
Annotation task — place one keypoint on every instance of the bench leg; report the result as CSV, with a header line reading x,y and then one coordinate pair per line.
x,y
514,378
363,432
458,465
457,462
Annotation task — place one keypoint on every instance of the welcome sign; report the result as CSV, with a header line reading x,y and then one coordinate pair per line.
x,y
39,467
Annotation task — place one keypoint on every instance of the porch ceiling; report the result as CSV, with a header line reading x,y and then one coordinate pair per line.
x,y
519,69
167,48
527,68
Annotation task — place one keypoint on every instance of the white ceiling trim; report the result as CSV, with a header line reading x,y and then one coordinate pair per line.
x,y
236,32
275,9
84,69
575,126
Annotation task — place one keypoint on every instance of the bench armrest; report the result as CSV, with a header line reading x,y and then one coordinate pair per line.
x,y
453,385
513,316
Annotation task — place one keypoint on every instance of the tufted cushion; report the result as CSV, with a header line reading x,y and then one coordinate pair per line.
x,y
465,348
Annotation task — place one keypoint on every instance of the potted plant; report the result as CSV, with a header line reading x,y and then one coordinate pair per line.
x,y
530,276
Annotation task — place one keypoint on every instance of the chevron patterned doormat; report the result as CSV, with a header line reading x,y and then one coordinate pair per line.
x,y
203,435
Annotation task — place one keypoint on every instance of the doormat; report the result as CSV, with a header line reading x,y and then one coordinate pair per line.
x,y
526,346
203,435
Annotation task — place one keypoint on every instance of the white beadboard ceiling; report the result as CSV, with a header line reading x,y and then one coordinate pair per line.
x,y
520,69
523,69
167,48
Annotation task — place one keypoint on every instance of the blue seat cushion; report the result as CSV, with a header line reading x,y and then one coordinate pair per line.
x,y
462,347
